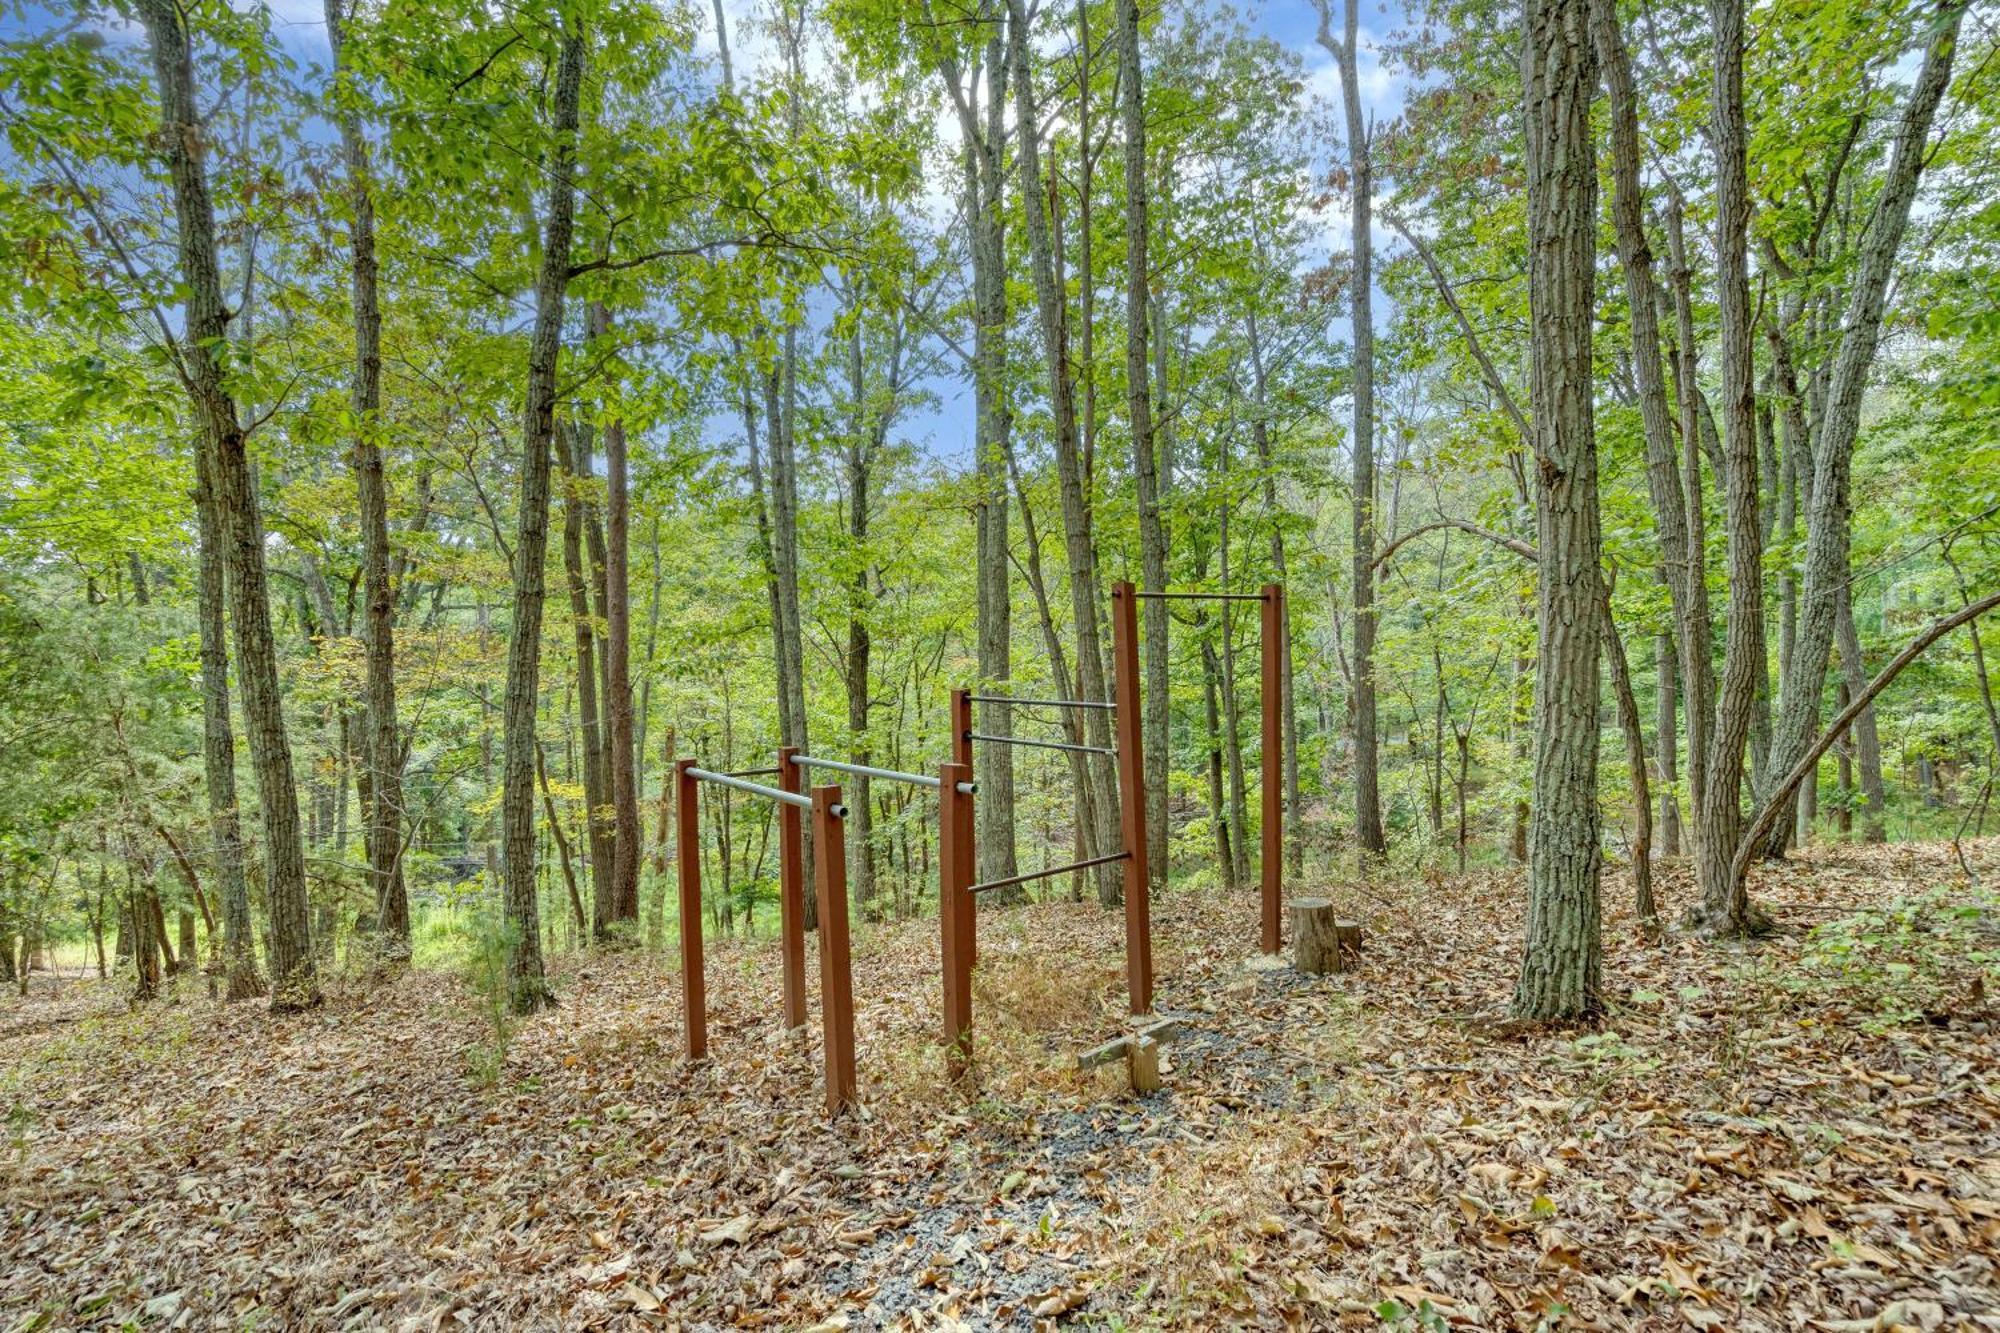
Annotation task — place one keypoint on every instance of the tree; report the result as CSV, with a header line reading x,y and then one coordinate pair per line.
x,y
1560,967
527,987
294,978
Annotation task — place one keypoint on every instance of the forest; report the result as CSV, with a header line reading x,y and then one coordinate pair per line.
x,y
999,663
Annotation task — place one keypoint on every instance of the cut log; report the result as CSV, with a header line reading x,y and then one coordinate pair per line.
x,y
1142,1059
1320,942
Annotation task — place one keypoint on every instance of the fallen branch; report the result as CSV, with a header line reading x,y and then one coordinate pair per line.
x,y
1767,815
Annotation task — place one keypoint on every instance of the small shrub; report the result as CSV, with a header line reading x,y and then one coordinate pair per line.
x,y
1902,962
488,941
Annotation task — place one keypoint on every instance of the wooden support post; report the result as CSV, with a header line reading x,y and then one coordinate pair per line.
x,y
1142,1065
694,988
961,753
836,975
1132,796
955,922
1320,943
792,892
1273,868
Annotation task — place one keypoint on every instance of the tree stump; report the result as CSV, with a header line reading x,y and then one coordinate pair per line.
x,y
1320,943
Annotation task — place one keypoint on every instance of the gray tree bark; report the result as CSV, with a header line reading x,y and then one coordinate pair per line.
x,y
295,981
1561,964
621,752
1827,509
1360,166
382,743
528,987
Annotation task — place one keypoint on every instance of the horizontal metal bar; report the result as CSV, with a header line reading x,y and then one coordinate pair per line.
x,y
751,773
1041,745
1040,703
754,788
1026,876
865,770
891,774
1204,596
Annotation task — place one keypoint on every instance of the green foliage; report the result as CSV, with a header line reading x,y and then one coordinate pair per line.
x,y
1922,956
489,939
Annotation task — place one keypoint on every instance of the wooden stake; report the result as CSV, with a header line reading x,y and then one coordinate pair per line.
x,y
694,988
1273,868
791,892
955,908
1132,796
1321,943
836,975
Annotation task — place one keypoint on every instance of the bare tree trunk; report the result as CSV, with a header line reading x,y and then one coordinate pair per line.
x,y
1367,759
1867,741
590,717
621,755
1827,508
1145,463
1724,909
1260,436
295,982
218,746
1102,823
1666,743
382,743
1560,967
528,987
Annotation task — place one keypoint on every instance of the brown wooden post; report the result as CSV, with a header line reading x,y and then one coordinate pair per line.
x,y
1273,868
1132,796
961,753
836,975
694,989
792,892
955,915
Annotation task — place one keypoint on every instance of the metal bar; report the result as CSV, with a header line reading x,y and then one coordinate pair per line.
x,y
865,770
836,974
694,990
792,894
752,773
955,909
1040,745
1202,596
754,788
1028,876
961,754
1040,703
1132,798
1271,873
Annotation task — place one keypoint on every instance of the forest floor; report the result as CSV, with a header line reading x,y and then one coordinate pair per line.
x,y
1801,1133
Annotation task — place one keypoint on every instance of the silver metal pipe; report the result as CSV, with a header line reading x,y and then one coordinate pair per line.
x,y
1041,703
889,774
754,788
1041,745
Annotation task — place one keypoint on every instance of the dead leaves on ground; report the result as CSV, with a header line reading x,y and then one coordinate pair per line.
x,y
1721,1154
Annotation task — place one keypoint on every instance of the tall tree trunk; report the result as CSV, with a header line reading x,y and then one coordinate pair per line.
x,y
780,400
1260,436
860,459
1560,968
1145,462
527,986
1360,168
1725,909
621,755
1681,555
985,179
382,744
590,715
295,981
1827,503
1077,540
1666,743
1867,740
218,744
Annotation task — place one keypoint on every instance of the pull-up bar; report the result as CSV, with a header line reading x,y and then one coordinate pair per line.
x,y
1040,703
830,895
1028,876
869,771
754,788
1041,745
1204,596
